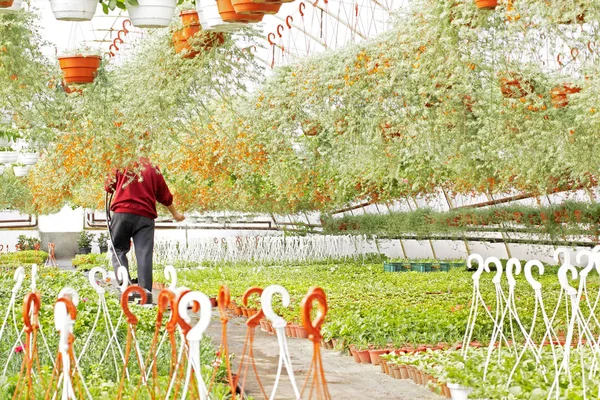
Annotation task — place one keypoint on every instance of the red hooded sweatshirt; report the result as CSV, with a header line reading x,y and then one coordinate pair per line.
x,y
135,194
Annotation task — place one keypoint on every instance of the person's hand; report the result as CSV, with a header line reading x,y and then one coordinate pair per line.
x,y
178,217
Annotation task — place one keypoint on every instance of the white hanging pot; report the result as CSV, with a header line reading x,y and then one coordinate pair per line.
x,y
4,142
2,169
211,20
459,392
152,13
12,9
28,158
8,157
74,10
21,171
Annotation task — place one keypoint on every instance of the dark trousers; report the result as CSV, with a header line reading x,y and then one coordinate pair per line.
x,y
123,228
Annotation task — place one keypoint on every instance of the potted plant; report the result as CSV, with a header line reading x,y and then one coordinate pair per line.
x,y
486,4
151,13
80,65
228,13
28,157
6,3
85,242
103,242
7,155
210,19
74,10
16,6
20,169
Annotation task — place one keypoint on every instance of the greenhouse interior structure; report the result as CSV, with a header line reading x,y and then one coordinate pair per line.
x,y
291,199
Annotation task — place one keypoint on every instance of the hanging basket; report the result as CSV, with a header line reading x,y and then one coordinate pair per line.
x,y
211,20
16,6
7,157
21,171
152,13
79,69
6,3
28,158
180,41
486,4
248,7
559,94
74,10
228,13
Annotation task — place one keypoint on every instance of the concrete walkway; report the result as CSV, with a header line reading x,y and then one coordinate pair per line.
x,y
346,379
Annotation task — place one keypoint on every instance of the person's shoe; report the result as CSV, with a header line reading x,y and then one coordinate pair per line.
x,y
136,298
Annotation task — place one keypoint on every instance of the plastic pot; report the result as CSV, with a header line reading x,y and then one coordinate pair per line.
x,y
16,6
374,354
152,13
21,171
486,4
301,332
228,13
74,10
459,392
364,356
210,19
28,158
8,157
78,68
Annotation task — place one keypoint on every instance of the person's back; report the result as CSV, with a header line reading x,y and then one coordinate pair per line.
x,y
136,191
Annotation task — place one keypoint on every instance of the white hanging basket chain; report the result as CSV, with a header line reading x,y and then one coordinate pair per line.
x,y
580,324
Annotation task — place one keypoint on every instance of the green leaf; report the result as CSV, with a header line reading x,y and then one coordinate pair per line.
x,y
112,4
122,6
133,2
105,8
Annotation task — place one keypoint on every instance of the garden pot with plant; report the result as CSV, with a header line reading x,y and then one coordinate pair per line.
x,y
28,157
486,4
8,155
228,14
79,68
16,6
74,10
103,242
210,19
459,392
152,13
85,242
20,169
6,3
249,7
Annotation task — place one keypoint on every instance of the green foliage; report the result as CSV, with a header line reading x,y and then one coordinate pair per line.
x,y
555,221
25,257
85,262
28,243
85,240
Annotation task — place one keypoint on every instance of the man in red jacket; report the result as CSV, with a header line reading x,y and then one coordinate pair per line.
x,y
134,208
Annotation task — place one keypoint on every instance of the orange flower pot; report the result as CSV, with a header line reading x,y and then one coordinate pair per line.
x,y
79,69
248,7
189,18
180,41
228,13
514,86
486,4
6,3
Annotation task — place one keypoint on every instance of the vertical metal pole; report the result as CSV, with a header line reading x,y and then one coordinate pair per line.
x,y
399,239
429,240
504,236
452,206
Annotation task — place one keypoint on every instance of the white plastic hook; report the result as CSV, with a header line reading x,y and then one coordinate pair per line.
x,y
266,301
92,278
534,284
482,265
565,253
34,272
171,276
591,258
496,261
564,280
61,315
123,276
67,291
516,263
19,276
195,334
